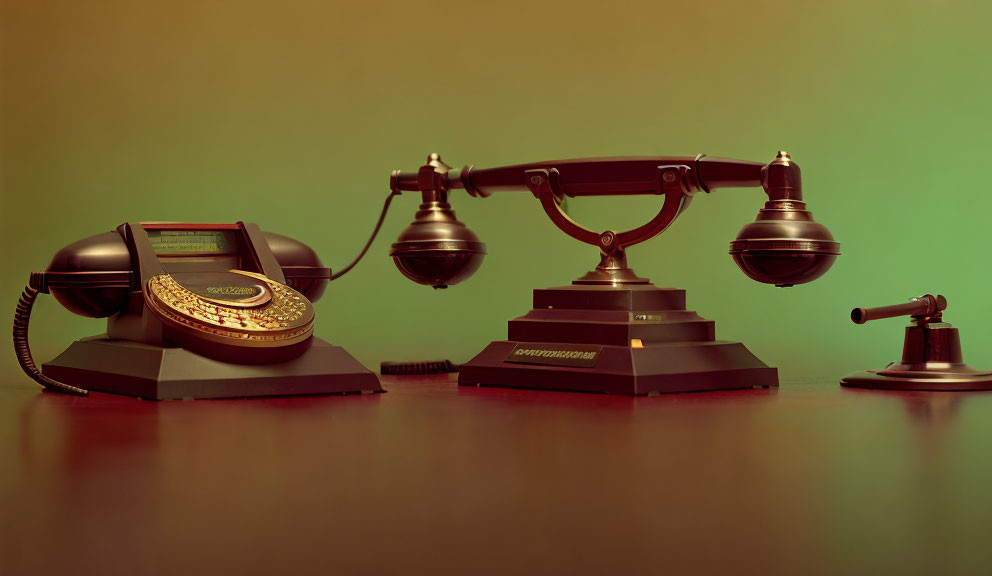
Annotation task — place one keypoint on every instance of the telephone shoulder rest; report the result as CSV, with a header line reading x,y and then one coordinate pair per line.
x,y
194,311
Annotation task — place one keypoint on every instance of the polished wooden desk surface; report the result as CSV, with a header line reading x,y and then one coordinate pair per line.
x,y
436,479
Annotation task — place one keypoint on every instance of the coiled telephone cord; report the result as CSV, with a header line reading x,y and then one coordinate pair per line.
x,y
21,318
429,367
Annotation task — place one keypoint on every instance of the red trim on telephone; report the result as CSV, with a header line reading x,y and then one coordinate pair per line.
x,y
182,226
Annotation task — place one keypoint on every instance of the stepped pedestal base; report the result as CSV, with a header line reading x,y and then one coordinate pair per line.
x,y
634,340
161,373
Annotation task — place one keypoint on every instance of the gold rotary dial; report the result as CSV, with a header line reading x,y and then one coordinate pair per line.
x,y
234,307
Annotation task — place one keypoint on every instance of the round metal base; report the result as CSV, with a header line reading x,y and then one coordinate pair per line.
x,y
919,380
610,277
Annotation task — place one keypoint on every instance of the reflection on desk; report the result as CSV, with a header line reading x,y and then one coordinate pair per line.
x,y
432,478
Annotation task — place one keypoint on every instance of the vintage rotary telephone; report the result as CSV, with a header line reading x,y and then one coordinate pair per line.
x,y
194,311
931,352
611,330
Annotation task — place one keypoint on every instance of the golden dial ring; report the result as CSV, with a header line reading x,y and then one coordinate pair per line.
x,y
236,308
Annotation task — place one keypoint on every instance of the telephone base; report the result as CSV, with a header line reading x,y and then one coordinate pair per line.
x,y
632,340
655,369
131,368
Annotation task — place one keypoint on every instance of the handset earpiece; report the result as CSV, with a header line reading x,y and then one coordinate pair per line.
x,y
436,249
784,246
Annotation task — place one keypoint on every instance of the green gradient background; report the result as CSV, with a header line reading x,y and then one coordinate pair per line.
x,y
292,115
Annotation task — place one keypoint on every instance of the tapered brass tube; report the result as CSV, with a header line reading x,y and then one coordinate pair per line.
x,y
926,305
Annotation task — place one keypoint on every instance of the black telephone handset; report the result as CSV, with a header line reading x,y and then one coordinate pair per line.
x,y
195,298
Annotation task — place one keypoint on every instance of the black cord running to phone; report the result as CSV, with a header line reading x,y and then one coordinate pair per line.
x,y
375,231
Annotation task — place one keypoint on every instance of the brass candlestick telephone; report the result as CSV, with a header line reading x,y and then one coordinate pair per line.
x,y
194,311
611,330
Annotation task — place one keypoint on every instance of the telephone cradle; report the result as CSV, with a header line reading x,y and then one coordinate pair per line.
x,y
194,311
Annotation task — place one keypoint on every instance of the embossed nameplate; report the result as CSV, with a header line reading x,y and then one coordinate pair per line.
x,y
575,355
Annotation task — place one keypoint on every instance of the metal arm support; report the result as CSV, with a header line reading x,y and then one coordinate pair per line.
x,y
675,177
621,176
